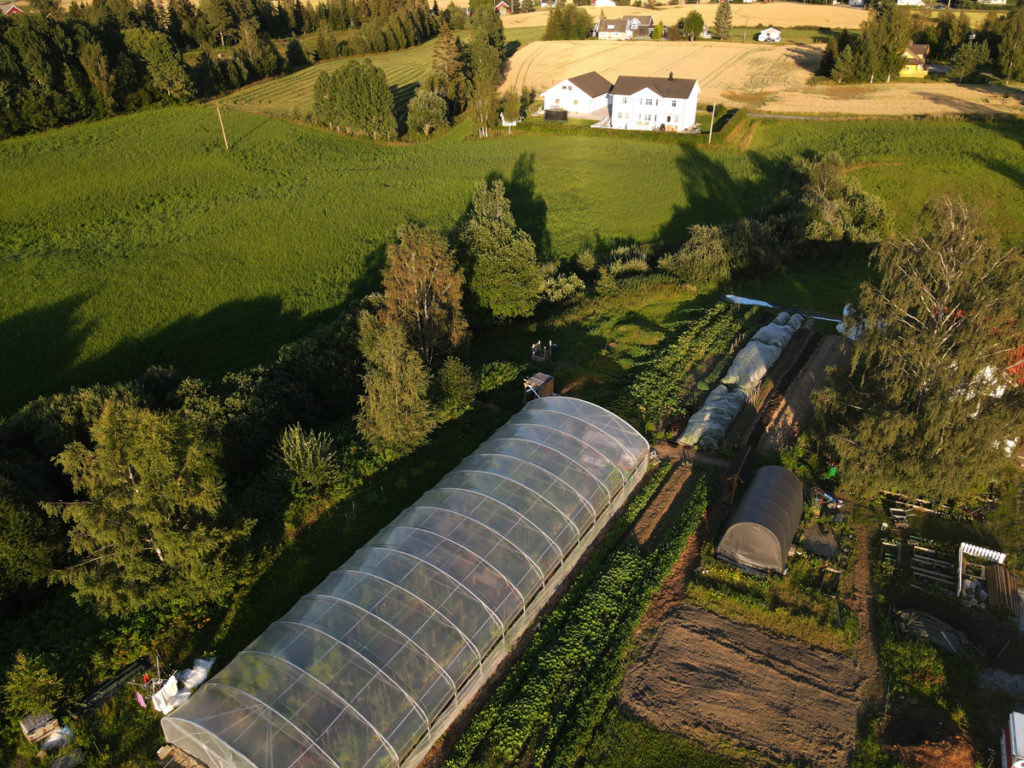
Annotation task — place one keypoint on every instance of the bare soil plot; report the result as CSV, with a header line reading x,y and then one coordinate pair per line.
x,y
796,406
748,15
719,67
703,673
918,98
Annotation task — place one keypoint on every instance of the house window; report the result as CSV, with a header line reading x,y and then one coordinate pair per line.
x,y
623,99
558,101
647,102
673,102
575,102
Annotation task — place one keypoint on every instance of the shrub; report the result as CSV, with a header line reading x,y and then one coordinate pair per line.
x,y
311,461
455,380
496,373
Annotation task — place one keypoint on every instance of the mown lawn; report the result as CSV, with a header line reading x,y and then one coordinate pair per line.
x,y
137,240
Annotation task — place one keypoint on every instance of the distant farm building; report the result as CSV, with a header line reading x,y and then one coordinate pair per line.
x,y
502,8
769,35
582,94
626,28
9,9
604,3
653,104
763,525
915,57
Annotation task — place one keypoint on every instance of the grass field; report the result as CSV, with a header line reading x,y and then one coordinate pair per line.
x,y
137,240
292,95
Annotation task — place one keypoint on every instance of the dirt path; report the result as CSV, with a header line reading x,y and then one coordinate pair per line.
x,y
796,408
704,673
662,508
862,603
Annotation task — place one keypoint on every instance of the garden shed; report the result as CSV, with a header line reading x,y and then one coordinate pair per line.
x,y
371,667
764,523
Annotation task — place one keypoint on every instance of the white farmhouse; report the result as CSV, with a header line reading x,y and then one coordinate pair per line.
x,y
653,103
626,28
769,35
604,3
582,94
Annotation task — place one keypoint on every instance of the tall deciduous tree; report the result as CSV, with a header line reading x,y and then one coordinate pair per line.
x,y
427,112
164,68
917,411
504,274
1011,47
148,529
692,25
394,410
483,93
423,292
723,21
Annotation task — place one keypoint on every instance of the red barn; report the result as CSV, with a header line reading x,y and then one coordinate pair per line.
x,y
9,9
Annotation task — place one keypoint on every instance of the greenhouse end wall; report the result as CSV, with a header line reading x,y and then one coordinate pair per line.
x,y
370,668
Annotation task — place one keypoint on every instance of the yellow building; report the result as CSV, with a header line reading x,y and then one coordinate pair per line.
x,y
915,61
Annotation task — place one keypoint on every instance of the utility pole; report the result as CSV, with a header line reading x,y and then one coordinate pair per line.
x,y
711,128
222,131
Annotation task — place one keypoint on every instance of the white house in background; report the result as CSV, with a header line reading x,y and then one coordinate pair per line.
x,y
626,28
582,94
856,3
769,35
653,103
604,3
909,2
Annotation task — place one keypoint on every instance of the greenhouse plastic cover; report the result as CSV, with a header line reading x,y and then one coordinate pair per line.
x,y
707,427
753,361
765,521
370,667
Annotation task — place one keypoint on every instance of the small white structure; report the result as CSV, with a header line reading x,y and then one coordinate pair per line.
x,y
604,3
910,2
769,35
582,94
626,28
1012,746
653,103
856,3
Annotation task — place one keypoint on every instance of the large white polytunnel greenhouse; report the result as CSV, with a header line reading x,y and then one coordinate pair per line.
x,y
371,667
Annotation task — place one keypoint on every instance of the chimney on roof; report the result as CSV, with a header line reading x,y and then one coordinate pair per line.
x,y
669,75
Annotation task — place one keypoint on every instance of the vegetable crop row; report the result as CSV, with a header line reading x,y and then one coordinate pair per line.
x,y
546,711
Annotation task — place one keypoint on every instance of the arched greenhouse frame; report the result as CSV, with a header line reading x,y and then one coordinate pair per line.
x,y
370,668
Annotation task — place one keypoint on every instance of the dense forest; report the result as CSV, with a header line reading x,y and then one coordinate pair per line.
x,y
109,56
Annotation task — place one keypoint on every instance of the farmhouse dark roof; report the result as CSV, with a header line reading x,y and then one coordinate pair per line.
x,y
591,84
622,24
669,89
917,52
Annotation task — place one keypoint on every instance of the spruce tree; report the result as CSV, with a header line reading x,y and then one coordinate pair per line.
x,y
147,531
723,21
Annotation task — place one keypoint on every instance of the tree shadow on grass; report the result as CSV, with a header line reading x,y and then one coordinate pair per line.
x,y
529,209
715,196
402,95
232,337
37,349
